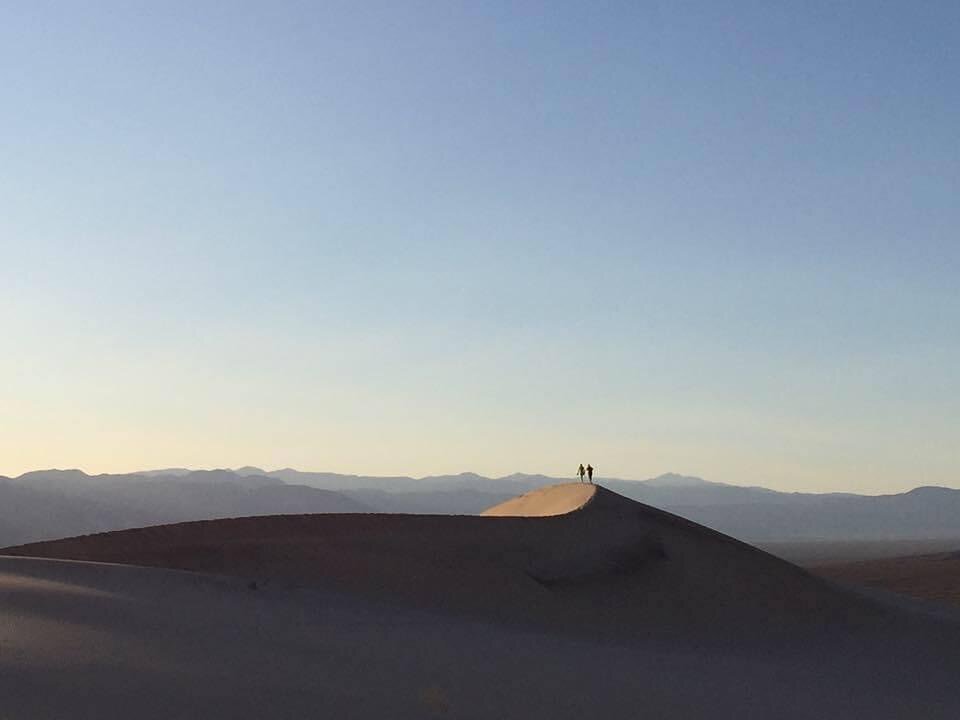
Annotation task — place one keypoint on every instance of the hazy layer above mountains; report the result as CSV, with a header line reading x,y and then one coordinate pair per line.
x,y
58,503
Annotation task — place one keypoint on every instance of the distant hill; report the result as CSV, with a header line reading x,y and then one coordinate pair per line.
x,y
755,514
52,503
56,503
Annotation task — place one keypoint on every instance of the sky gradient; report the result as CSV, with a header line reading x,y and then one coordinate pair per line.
x,y
419,238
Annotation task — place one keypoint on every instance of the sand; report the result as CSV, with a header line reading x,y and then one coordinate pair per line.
x,y
614,610
610,566
547,501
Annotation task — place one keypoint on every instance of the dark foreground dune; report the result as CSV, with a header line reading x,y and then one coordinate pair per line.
x,y
612,610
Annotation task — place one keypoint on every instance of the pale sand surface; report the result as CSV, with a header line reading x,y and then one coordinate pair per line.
x,y
554,500
635,613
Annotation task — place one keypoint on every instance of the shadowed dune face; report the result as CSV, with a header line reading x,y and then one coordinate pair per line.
x,y
607,564
114,641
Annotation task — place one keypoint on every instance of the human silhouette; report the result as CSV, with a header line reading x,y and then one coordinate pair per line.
x,y
580,472
590,472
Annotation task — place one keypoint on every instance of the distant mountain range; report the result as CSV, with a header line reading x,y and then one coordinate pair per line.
x,y
58,503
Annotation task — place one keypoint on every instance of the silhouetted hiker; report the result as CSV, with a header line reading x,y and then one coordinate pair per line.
x,y
590,472
581,472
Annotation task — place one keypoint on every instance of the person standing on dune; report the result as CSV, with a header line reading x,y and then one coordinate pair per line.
x,y
590,472
580,472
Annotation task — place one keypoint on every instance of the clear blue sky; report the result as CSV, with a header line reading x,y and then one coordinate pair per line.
x,y
711,238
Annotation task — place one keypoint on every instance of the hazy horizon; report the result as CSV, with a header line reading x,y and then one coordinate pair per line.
x,y
558,475
414,238
270,469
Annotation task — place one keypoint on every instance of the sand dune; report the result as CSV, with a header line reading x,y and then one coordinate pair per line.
x,y
607,564
613,609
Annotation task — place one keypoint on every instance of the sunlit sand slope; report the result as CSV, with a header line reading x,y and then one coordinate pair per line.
x,y
553,500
